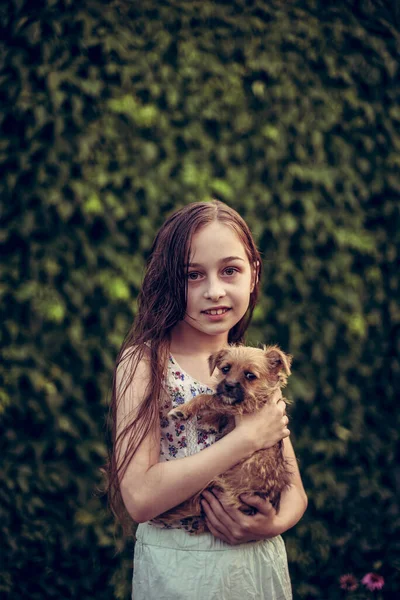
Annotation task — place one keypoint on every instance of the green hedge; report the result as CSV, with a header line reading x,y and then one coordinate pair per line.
x,y
112,115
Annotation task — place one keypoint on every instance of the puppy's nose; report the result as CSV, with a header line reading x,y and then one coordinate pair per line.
x,y
229,386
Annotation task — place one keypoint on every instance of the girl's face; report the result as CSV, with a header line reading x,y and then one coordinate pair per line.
x,y
220,280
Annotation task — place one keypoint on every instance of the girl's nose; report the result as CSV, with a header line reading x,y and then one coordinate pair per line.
x,y
215,290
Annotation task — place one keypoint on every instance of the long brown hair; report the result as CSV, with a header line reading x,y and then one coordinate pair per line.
x,y
161,305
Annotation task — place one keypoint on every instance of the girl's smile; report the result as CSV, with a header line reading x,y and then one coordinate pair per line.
x,y
214,314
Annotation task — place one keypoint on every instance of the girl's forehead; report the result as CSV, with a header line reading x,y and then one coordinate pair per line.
x,y
215,241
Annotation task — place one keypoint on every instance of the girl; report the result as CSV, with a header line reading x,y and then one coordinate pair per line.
x,y
199,292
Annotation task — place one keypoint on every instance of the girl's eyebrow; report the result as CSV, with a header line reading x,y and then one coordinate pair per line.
x,y
221,261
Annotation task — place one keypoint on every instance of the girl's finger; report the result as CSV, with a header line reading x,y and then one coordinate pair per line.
x,y
234,517
215,532
227,516
214,509
218,515
211,518
217,506
263,506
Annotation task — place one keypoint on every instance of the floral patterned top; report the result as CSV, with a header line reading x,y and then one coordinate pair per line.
x,y
182,438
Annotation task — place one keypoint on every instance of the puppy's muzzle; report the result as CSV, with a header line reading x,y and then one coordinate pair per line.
x,y
230,393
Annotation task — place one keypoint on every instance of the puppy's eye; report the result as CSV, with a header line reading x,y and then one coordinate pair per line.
x,y
226,369
250,376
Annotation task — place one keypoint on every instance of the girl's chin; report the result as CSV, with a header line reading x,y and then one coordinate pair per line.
x,y
209,328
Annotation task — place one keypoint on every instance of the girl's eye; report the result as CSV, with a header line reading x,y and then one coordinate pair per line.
x,y
250,376
225,369
230,271
193,276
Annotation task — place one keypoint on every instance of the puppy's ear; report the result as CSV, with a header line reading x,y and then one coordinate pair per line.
x,y
215,359
277,360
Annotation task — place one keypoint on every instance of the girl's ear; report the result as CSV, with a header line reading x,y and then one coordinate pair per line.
x,y
255,275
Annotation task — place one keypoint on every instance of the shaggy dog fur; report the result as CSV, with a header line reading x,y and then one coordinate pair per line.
x,y
247,379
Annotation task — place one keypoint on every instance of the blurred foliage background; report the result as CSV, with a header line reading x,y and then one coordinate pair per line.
x,y
112,115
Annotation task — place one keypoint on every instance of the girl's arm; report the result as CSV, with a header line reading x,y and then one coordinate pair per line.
x,y
234,527
149,488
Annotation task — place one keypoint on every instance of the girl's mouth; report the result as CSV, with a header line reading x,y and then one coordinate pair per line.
x,y
216,312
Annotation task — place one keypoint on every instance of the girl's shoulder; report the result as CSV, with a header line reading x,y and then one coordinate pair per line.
x,y
135,350
133,361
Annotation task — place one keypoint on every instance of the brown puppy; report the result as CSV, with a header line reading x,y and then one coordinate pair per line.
x,y
246,381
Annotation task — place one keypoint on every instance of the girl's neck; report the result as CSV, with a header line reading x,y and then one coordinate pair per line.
x,y
187,341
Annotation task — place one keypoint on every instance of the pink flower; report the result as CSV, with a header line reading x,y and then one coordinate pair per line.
x,y
372,581
348,582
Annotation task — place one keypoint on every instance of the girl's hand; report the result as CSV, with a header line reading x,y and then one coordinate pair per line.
x,y
234,527
267,426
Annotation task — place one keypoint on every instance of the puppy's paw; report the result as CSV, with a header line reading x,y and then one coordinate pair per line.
x,y
176,415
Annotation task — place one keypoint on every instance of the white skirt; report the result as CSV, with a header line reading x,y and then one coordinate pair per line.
x,y
170,564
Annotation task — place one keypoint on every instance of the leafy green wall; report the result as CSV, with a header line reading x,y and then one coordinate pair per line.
x,y
112,115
